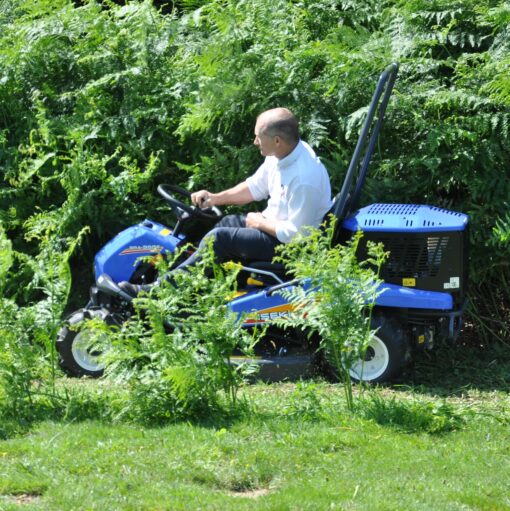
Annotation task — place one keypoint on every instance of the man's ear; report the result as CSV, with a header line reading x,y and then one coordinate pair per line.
x,y
277,140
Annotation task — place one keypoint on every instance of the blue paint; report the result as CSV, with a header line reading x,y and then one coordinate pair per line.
x,y
391,295
118,258
410,218
405,297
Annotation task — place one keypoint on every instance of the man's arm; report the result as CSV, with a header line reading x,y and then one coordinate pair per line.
x,y
258,221
238,195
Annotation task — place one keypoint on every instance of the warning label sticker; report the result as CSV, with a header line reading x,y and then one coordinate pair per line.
x,y
453,284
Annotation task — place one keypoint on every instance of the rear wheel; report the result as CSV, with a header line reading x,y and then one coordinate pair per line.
x,y
386,354
385,358
78,354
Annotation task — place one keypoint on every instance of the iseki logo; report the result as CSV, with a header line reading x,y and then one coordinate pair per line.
x,y
267,316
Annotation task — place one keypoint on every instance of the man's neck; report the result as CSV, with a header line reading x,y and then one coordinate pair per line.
x,y
285,151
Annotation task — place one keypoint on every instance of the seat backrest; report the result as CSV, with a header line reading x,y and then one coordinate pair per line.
x,y
327,217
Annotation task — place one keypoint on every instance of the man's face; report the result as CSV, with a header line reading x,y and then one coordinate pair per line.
x,y
267,145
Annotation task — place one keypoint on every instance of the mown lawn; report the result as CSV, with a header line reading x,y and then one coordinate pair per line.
x,y
293,447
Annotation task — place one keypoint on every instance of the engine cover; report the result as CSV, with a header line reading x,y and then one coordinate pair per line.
x,y
427,245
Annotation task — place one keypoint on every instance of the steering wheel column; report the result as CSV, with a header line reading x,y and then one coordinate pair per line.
x,y
183,210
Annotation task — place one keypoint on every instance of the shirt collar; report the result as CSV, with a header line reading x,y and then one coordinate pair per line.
x,y
291,158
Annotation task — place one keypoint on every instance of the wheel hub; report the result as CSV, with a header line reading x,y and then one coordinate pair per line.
x,y
374,363
85,351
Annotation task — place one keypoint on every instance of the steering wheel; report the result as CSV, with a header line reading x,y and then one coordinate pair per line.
x,y
180,208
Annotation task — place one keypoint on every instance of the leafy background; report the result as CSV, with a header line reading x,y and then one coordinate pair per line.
x,y
100,102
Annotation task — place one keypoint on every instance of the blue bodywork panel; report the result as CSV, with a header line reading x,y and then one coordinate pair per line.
x,y
405,297
405,218
263,306
260,306
118,258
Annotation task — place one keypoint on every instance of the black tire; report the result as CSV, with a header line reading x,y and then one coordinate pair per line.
x,y
386,357
75,356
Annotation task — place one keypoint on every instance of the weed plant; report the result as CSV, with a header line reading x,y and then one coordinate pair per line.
x,y
337,301
28,362
410,415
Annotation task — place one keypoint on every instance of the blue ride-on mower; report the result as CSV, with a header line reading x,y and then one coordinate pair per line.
x,y
425,275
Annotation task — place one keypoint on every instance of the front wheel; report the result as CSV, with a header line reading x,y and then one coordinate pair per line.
x,y
78,355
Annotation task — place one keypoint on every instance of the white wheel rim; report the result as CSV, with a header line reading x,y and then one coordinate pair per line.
x,y
81,349
376,362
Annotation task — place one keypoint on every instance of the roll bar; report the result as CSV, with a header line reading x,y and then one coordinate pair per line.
x,y
346,201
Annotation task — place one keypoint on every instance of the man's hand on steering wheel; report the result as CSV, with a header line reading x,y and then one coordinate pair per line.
x,y
202,199
206,211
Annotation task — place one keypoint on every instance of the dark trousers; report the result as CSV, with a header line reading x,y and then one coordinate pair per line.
x,y
233,241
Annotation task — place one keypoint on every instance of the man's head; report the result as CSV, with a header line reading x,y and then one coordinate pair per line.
x,y
276,132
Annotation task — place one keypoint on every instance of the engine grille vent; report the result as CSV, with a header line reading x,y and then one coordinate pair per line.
x,y
418,257
446,211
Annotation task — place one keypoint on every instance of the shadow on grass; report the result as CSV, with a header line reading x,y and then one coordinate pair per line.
x,y
451,370
448,371
110,407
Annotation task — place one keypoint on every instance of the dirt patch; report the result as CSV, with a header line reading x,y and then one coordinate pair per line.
x,y
250,494
21,498
26,498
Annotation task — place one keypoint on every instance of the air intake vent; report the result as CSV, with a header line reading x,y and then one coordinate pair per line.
x,y
408,218
446,211
393,209
371,222
418,257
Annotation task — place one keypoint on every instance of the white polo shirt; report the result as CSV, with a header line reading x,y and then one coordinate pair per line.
x,y
298,189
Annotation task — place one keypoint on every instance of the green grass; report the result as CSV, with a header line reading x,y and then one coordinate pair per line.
x,y
294,447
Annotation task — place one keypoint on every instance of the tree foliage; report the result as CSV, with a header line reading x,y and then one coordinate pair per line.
x,y
99,102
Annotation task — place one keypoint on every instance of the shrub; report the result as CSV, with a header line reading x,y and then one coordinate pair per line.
x,y
173,354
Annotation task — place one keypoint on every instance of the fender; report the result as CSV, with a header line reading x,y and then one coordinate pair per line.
x,y
119,257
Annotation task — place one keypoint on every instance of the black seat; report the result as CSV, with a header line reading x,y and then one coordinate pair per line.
x,y
278,268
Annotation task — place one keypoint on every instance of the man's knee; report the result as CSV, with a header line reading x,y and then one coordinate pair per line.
x,y
222,236
221,241
208,236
